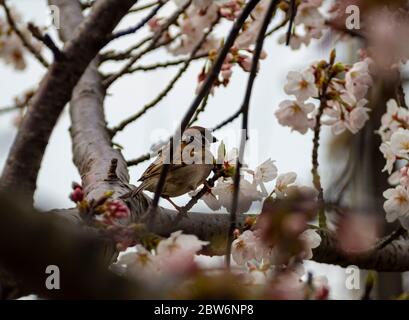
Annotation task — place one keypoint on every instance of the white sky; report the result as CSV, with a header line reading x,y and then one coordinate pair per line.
x,y
291,151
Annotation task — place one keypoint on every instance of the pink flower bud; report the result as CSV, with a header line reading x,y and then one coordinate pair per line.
x,y
245,63
226,74
116,209
77,195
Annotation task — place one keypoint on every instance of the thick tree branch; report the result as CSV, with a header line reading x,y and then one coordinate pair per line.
x,y
78,255
24,160
394,257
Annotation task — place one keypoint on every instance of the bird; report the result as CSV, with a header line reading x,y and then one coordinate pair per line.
x,y
192,163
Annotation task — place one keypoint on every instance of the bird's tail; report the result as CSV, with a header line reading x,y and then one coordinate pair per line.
x,y
134,192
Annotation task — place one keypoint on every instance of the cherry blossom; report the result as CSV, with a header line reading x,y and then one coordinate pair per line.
x,y
358,80
179,241
248,193
397,203
310,21
296,115
302,85
400,143
284,183
311,240
346,113
248,247
209,199
139,263
395,118
389,155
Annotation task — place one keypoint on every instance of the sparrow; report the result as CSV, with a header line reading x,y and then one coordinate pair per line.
x,y
191,165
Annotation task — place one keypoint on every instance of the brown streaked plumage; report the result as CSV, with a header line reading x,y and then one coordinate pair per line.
x,y
182,177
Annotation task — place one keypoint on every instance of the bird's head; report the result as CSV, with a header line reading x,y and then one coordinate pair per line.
x,y
199,135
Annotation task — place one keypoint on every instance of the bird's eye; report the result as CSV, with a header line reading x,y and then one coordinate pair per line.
x,y
188,139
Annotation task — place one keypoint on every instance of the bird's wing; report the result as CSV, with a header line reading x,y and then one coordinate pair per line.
x,y
155,168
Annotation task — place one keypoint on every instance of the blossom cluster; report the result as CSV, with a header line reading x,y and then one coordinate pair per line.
x,y
249,248
175,258
394,132
173,255
340,90
201,15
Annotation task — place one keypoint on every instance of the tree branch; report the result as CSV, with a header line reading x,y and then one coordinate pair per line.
x,y
79,255
244,110
24,160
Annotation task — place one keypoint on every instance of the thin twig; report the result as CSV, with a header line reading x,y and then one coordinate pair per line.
x,y
278,27
293,13
400,94
46,39
127,54
192,202
5,110
144,7
169,87
245,113
142,23
233,117
200,110
203,91
316,143
400,231
139,160
27,44
118,56
158,35
166,64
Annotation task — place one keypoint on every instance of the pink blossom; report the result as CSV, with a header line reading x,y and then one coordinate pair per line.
x,y
296,115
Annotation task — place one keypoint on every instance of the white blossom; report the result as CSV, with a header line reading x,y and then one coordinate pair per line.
x,y
139,263
209,199
295,114
400,143
397,203
302,85
265,172
248,193
178,241
248,247
311,240
284,182
358,80
346,113
389,156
